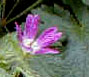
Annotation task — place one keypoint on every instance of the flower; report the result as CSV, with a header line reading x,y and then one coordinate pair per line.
x,y
40,45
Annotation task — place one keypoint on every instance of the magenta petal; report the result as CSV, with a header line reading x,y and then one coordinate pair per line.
x,y
48,31
19,32
47,51
49,36
31,25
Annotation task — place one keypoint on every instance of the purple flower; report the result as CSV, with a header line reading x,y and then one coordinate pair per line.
x,y
41,45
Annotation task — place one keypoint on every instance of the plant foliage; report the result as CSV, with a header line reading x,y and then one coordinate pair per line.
x,y
72,62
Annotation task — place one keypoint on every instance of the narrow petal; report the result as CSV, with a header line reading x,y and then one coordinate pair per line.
x,y
48,32
19,32
49,36
31,26
46,51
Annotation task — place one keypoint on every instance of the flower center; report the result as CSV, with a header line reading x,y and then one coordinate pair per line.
x,y
27,42
30,44
35,47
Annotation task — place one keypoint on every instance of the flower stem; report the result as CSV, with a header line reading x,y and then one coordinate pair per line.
x,y
12,9
3,11
25,11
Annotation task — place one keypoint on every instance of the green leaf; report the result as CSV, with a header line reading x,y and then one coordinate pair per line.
x,y
74,61
3,73
85,2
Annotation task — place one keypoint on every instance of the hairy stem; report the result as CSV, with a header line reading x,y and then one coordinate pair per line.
x,y
24,12
12,9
